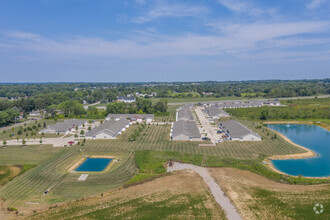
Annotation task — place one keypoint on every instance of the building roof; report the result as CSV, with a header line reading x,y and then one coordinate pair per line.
x,y
126,98
214,111
132,116
186,106
235,129
111,127
66,125
188,128
185,114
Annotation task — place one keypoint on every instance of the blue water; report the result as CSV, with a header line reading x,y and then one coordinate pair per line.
x,y
312,137
94,165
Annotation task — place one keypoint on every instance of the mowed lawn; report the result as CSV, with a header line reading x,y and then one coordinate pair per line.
x,y
53,163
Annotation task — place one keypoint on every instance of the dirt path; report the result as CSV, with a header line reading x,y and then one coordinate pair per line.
x,y
215,189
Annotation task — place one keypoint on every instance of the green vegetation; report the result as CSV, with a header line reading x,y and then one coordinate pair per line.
x,y
290,204
305,109
9,172
134,136
151,165
141,106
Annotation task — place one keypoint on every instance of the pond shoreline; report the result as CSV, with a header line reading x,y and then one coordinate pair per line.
x,y
298,122
308,154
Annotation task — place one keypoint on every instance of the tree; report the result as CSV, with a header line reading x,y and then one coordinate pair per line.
x,y
161,105
264,114
89,128
82,132
4,142
44,125
19,132
72,108
23,142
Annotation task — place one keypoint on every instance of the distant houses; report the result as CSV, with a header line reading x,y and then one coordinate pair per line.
x,y
126,99
109,129
240,104
237,132
63,127
148,118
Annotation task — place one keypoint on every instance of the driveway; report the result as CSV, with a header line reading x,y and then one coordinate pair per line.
x,y
211,133
215,189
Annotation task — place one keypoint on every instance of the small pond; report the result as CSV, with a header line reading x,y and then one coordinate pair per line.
x,y
312,137
93,165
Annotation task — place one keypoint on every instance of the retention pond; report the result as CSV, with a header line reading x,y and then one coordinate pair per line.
x,y
93,165
312,137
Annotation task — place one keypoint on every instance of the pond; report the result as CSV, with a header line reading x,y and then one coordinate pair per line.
x,y
312,137
93,165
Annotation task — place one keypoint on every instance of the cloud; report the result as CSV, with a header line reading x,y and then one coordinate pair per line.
x,y
140,2
231,39
246,7
167,10
315,3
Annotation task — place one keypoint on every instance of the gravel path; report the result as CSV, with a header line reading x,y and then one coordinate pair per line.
x,y
215,189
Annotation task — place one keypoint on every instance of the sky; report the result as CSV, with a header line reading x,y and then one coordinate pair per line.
x,y
163,40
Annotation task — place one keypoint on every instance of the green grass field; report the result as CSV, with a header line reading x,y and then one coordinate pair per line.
x,y
53,163
292,205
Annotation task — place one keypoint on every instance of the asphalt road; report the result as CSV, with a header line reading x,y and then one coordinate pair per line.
x,y
288,98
